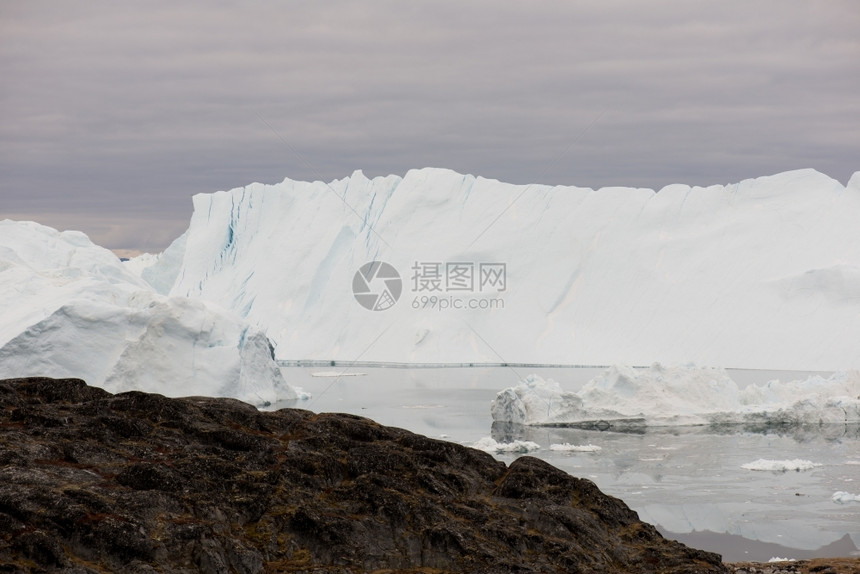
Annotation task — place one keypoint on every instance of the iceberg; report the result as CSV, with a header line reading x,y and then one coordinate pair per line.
x,y
71,309
679,395
763,273
842,497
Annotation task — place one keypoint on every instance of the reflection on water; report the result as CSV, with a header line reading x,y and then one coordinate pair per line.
x,y
507,431
686,480
736,548
690,480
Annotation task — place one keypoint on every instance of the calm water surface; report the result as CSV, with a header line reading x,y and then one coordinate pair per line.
x,y
688,481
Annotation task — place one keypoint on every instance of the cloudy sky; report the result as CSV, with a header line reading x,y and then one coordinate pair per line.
x,y
112,114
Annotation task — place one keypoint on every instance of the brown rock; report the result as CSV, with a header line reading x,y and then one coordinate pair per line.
x,y
138,482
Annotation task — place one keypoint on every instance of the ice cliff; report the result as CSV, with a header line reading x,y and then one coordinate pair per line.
x,y
71,309
764,273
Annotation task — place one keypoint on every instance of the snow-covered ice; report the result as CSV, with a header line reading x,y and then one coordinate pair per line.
x,y
487,444
842,497
764,273
679,395
780,465
71,309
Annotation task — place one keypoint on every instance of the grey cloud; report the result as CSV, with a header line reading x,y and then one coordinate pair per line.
x,y
121,111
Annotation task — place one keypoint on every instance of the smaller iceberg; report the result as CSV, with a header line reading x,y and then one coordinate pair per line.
x,y
489,445
843,497
678,396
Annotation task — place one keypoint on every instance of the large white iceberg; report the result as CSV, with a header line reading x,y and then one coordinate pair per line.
x,y
70,309
679,395
764,273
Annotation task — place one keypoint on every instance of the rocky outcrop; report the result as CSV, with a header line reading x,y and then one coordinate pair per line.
x,y
135,482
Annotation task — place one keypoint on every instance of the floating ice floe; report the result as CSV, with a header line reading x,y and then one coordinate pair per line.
x,y
780,465
487,444
567,447
679,395
422,406
842,497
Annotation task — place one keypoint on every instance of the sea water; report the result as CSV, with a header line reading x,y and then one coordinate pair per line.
x,y
689,481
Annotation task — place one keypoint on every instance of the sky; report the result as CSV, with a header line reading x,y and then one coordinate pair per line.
x,y
113,114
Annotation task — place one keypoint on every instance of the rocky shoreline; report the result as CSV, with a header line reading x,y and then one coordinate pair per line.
x,y
136,482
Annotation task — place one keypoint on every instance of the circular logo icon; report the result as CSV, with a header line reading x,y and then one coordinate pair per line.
x,y
377,286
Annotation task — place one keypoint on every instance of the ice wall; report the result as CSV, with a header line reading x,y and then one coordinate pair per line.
x,y
623,397
762,273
